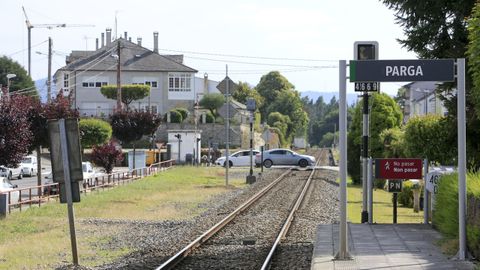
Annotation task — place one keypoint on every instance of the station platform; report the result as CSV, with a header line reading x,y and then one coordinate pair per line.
x,y
383,246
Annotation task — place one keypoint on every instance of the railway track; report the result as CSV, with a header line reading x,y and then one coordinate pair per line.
x,y
249,237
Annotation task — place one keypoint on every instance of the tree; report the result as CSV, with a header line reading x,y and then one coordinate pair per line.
x,y
438,29
15,134
385,114
129,92
212,102
394,143
244,92
289,103
130,126
94,132
269,87
428,137
106,156
21,82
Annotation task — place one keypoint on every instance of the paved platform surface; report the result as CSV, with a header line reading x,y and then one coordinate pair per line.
x,y
401,246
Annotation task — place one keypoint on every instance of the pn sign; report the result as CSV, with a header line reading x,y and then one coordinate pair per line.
x,y
395,186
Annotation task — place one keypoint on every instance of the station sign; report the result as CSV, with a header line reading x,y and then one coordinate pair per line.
x,y
440,70
398,168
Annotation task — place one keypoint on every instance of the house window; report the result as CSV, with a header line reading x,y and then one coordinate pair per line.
x,y
93,84
152,84
179,82
65,80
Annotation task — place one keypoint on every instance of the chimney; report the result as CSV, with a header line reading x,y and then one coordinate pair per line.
x,y
103,40
130,39
96,44
139,41
126,35
155,41
109,35
205,83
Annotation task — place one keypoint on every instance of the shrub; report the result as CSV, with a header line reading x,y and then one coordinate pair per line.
x,y
184,112
175,116
405,198
94,131
106,156
209,117
445,216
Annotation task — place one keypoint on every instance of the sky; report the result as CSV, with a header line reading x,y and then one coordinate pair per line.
x,y
303,39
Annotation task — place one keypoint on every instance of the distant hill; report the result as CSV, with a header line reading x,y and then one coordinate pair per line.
x,y
327,96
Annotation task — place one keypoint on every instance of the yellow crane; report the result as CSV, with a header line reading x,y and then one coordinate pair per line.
x,y
48,26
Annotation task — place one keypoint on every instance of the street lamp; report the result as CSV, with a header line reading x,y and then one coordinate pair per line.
x,y
9,76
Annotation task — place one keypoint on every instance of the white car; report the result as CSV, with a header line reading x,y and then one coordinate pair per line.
x,y
7,187
11,173
240,158
88,173
29,166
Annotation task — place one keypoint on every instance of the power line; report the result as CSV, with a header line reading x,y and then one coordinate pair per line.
x,y
252,57
17,52
260,64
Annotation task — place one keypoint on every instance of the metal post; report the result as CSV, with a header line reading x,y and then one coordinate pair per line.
x,y
342,253
119,87
68,189
370,190
395,199
365,158
29,28
251,143
462,188
227,129
261,159
426,196
49,79
251,178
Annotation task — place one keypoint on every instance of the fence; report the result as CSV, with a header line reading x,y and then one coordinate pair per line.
x,y
45,193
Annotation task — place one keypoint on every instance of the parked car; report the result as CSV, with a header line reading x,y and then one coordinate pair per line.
x,y
29,166
11,173
88,173
240,158
7,187
284,157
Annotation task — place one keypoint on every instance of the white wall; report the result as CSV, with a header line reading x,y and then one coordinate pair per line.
x,y
187,144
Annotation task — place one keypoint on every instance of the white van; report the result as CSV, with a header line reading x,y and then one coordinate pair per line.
x,y
29,166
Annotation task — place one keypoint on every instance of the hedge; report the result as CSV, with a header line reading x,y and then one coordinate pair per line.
x,y
445,216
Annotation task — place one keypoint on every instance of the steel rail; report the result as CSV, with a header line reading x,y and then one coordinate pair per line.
x,y
289,220
175,259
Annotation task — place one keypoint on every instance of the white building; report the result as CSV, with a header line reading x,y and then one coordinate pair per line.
x,y
422,99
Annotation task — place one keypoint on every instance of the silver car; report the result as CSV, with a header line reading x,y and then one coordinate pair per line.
x,y
284,157
240,158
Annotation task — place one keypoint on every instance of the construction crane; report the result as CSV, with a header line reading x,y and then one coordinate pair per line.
x,y
48,26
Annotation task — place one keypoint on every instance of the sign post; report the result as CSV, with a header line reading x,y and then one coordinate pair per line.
x,y
67,168
251,106
365,50
395,186
343,253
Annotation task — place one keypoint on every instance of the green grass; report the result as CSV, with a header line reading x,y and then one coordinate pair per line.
x,y
382,207
38,238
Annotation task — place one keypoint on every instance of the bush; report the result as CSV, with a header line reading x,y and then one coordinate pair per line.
x,y
106,156
445,216
184,112
405,198
209,117
175,116
94,132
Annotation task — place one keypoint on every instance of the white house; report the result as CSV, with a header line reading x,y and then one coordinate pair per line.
x,y
421,99
172,83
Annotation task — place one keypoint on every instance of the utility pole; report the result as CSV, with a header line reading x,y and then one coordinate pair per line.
x,y
119,87
49,79
227,129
